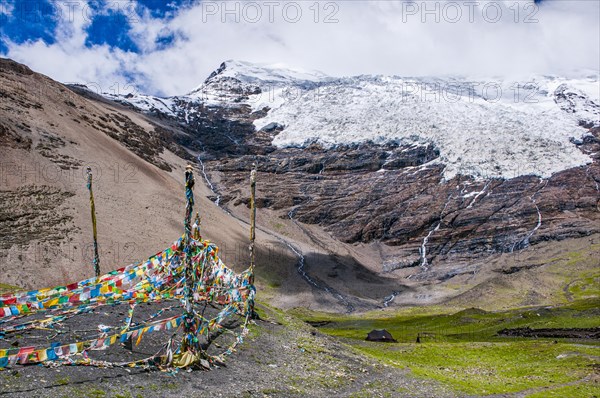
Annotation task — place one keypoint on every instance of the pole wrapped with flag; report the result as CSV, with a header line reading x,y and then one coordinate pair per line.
x,y
190,271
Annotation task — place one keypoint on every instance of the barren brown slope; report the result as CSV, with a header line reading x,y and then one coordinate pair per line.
x,y
48,135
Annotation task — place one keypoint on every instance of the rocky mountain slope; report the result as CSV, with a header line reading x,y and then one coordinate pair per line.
x,y
419,180
49,133
373,191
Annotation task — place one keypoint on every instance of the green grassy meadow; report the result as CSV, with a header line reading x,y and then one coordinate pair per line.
x,y
462,349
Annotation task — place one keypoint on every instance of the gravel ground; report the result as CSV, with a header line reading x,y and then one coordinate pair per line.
x,y
282,357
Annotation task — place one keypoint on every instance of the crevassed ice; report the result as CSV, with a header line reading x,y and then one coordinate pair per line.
x,y
504,132
484,128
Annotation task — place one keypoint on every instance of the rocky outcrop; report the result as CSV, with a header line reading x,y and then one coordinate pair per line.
x,y
34,214
575,102
395,193
8,65
389,194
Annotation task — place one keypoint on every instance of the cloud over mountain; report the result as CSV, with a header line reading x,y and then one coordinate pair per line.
x,y
167,48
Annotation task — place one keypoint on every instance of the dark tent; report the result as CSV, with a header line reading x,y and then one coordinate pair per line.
x,y
380,335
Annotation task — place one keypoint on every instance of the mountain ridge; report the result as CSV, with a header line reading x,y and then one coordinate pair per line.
x,y
451,113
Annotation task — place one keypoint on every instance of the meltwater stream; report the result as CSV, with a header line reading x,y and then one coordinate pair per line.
x,y
300,265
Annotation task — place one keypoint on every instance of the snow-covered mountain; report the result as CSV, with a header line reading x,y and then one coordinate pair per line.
x,y
485,128
388,195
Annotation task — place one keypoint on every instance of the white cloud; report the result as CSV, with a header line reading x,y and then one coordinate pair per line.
x,y
381,37
6,8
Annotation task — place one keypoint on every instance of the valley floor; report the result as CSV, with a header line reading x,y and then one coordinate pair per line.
x,y
284,356
469,352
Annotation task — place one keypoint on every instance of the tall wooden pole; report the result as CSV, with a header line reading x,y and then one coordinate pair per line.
x,y
93,210
252,214
190,340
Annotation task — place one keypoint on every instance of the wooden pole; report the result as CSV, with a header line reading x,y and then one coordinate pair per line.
x,y
252,214
94,232
190,342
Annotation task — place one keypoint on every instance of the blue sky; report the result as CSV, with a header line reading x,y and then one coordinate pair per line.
x,y
110,20
168,47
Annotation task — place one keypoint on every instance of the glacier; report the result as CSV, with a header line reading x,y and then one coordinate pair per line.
x,y
486,128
